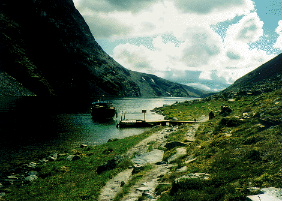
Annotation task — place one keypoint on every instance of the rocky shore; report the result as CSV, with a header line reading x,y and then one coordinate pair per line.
x,y
29,172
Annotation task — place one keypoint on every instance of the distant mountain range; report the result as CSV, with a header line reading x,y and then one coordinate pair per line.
x,y
47,49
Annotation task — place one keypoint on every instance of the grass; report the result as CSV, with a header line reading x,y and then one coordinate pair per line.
x,y
76,180
134,179
238,151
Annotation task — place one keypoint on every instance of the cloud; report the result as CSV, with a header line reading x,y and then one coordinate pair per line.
x,y
195,52
150,18
201,45
114,5
105,26
278,43
248,29
207,6
130,4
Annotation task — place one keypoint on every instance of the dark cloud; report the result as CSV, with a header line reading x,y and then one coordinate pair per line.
x,y
130,4
105,27
206,6
233,56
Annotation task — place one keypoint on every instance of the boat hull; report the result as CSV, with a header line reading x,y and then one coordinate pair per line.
x,y
102,113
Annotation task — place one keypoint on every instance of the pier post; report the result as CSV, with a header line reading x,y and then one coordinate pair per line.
x,y
144,112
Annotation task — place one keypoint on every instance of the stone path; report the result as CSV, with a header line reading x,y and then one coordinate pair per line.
x,y
141,156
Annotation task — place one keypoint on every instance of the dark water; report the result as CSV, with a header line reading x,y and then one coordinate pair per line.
x,y
32,127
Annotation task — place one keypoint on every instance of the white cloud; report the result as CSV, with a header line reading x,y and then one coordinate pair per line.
x,y
248,29
153,17
201,45
278,30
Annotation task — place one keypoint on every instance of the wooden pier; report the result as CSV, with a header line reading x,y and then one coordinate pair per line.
x,y
143,123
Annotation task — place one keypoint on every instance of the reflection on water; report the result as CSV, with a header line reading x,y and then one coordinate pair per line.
x,y
31,126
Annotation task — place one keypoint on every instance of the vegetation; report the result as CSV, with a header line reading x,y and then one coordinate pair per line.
x,y
237,151
78,179
232,153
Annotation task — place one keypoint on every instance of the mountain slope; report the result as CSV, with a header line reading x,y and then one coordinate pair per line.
x,y
49,49
265,78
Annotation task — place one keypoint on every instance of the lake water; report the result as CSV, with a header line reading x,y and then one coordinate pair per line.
x,y
33,127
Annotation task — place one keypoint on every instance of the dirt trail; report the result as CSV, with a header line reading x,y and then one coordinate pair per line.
x,y
142,155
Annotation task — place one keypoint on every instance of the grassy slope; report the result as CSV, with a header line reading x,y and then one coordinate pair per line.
x,y
75,180
238,152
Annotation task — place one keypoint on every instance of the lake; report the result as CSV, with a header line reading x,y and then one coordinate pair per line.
x,y
32,127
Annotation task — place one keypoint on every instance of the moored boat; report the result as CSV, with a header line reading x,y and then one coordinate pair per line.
x,y
103,110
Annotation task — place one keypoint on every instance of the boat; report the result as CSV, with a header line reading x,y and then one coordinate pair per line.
x,y
103,110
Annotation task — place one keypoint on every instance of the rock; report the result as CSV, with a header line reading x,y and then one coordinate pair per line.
x,y
182,169
122,183
33,173
180,152
44,160
53,157
83,146
230,122
12,177
31,178
225,110
137,169
204,176
211,115
149,195
110,165
73,158
271,193
143,189
32,165
172,145
64,169
161,163
113,140
153,156
2,194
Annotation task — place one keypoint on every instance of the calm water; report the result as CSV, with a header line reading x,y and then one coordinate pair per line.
x,y
33,127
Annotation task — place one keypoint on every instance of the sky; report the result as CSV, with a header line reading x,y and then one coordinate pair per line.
x,y
207,44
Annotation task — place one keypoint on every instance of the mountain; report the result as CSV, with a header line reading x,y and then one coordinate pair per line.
x,y
267,77
47,49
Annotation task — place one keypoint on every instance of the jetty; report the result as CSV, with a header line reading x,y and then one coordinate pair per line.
x,y
144,123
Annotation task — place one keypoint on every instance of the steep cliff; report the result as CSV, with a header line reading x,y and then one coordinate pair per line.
x,y
47,47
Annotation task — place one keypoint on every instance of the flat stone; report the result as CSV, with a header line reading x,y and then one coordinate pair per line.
x,y
53,157
150,157
203,176
143,189
269,194
31,178
32,165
